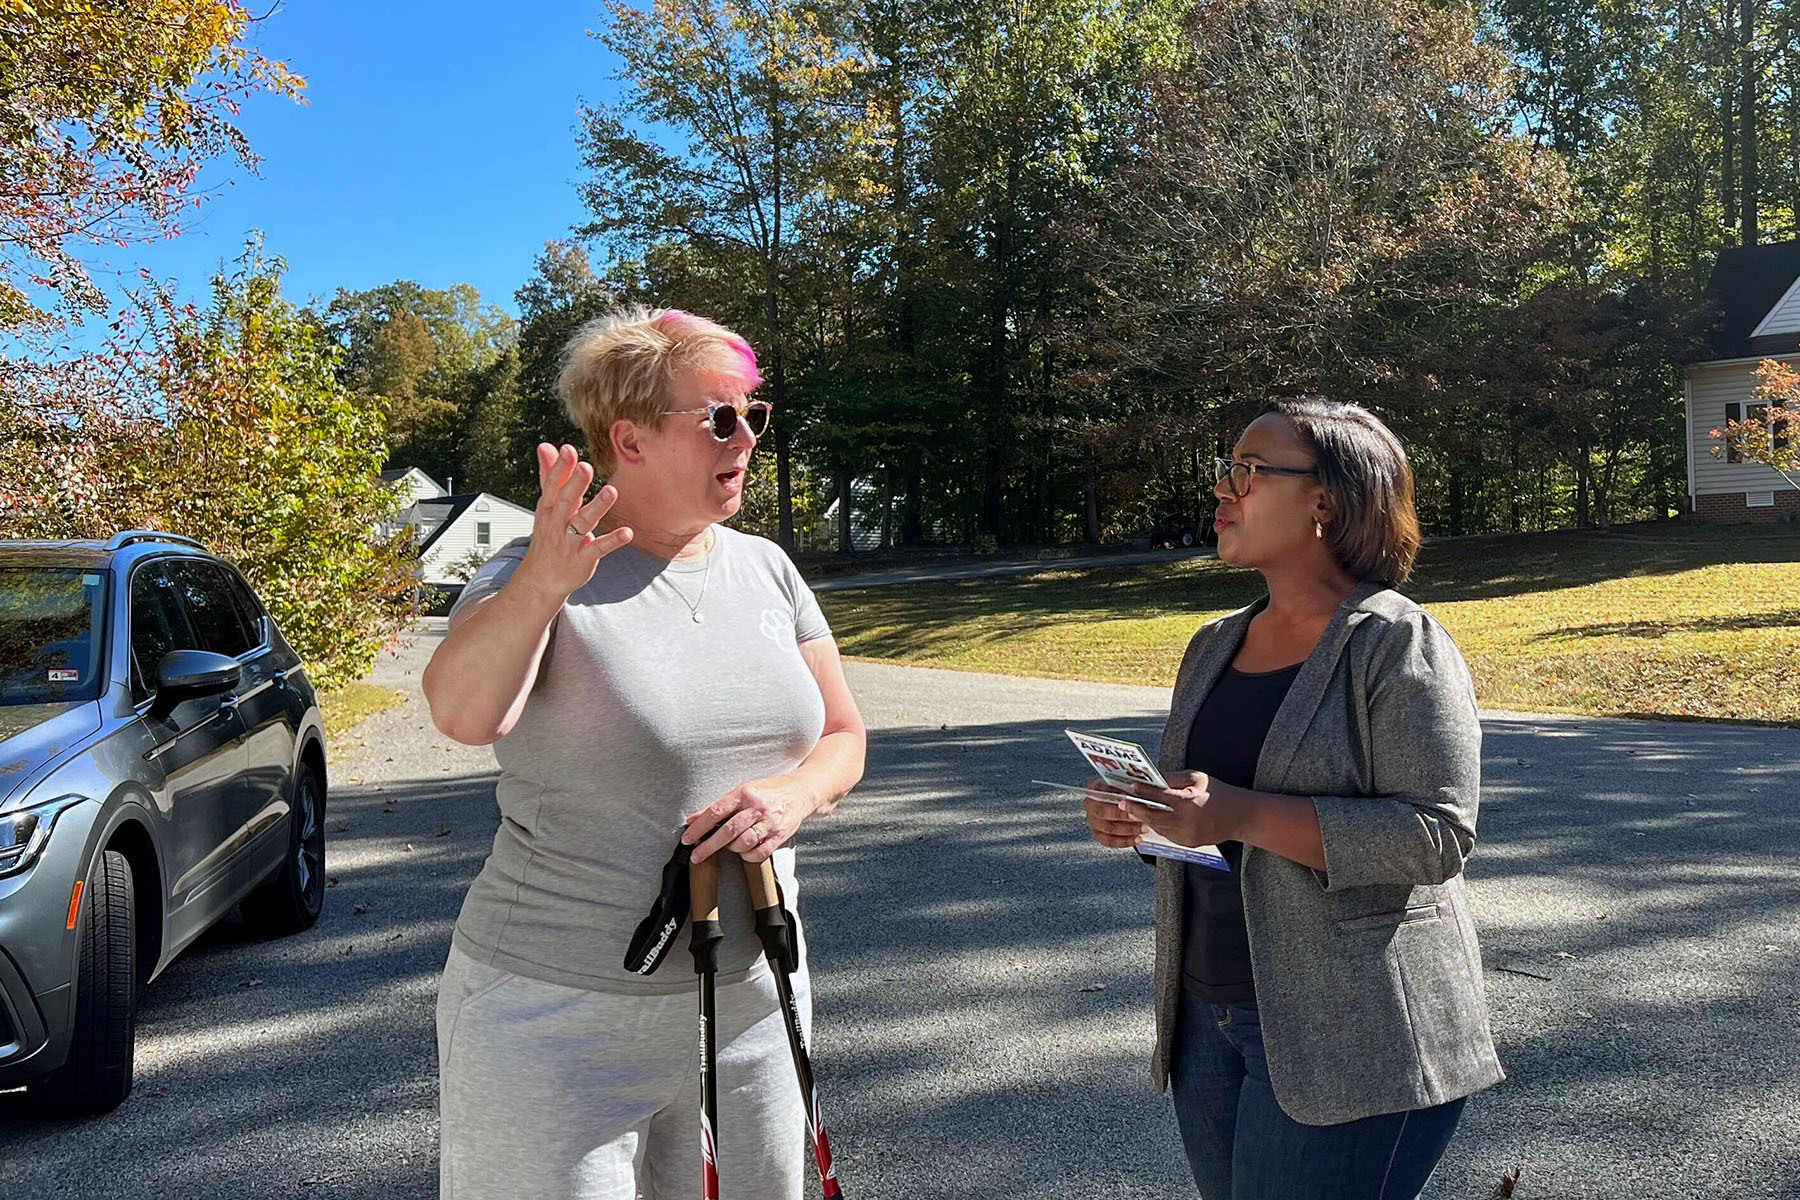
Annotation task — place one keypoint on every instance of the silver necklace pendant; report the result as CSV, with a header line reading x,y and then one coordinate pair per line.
x,y
699,618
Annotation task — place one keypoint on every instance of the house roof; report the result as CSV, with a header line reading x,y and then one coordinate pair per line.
x,y
455,506
1746,284
396,474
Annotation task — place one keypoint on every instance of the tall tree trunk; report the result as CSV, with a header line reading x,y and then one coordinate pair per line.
x,y
1793,124
845,499
887,507
1747,230
784,487
912,518
1515,513
784,478
1728,167
1584,468
1091,501
997,370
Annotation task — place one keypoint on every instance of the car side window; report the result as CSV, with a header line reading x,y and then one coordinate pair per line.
x,y
210,606
248,605
157,626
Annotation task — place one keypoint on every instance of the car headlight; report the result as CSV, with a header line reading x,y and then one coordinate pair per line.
x,y
23,832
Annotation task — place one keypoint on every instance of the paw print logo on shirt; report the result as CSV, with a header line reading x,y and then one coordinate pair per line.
x,y
776,625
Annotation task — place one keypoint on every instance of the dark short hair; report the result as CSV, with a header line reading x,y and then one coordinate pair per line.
x,y
1365,472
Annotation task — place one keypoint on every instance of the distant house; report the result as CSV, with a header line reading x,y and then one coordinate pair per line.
x,y
1755,291
456,533
416,484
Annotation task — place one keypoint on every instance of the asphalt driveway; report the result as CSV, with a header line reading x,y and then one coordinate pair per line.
x,y
982,971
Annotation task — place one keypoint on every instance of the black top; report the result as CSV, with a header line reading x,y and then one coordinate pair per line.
x,y
1225,742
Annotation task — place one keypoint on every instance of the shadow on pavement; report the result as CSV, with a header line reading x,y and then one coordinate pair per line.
x,y
982,986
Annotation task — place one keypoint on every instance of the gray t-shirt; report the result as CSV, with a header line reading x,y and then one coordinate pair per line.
x,y
640,716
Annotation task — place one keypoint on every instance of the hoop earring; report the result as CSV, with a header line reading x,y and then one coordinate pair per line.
x,y
1318,530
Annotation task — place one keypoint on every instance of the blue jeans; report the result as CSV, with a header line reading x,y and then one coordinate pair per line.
x,y
1241,1146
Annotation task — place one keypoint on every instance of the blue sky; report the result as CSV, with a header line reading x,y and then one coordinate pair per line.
x,y
437,144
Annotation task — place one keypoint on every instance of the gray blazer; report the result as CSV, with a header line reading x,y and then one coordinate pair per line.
x,y
1368,975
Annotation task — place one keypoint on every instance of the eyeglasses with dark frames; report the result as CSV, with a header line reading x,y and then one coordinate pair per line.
x,y
722,418
1238,475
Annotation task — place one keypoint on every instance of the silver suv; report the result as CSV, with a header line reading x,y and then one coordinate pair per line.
x,y
162,760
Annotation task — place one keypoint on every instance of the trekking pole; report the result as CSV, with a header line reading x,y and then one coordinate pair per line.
x,y
703,888
776,929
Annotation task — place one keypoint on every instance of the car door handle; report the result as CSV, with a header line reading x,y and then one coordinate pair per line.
x,y
280,677
228,704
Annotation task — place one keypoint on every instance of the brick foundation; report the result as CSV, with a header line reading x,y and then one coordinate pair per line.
x,y
1729,507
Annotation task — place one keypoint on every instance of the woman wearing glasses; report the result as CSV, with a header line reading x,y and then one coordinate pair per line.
x,y
643,672
1320,1008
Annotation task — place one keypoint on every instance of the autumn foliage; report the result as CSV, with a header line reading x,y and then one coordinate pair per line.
x,y
226,423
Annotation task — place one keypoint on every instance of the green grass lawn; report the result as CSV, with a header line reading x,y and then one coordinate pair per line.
x,y
346,707
1675,620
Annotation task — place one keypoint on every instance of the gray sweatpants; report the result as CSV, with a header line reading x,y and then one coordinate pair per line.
x,y
557,1093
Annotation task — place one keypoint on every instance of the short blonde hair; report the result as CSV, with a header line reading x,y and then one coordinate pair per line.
x,y
618,368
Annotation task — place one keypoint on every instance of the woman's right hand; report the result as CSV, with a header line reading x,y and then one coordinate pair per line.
x,y
1109,826
564,549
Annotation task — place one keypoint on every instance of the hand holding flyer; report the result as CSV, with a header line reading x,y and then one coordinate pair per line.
x,y
1122,764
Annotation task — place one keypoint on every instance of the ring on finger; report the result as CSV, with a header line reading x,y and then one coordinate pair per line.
x,y
575,531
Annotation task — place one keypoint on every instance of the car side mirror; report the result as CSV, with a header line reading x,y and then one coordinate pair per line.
x,y
185,675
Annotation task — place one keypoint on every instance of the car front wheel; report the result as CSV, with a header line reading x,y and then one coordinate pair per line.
x,y
293,898
96,1077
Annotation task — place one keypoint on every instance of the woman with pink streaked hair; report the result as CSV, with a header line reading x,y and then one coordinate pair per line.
x,y
645,674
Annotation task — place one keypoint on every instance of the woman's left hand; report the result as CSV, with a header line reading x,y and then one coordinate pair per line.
x,y
752,821
1199,816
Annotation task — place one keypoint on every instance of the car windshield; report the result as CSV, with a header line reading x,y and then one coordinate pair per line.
x,y
50,634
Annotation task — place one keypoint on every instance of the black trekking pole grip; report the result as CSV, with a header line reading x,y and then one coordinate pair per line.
x,y
703,911
773,925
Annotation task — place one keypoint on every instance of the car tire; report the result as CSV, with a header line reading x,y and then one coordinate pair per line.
x,y
1187,539
96,1077
295,895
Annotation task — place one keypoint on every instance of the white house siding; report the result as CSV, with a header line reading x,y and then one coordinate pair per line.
x,y
419,486
506,522
1710,389
1785,317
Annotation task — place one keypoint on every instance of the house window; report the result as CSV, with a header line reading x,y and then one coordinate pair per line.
x,y
1758,413
483,533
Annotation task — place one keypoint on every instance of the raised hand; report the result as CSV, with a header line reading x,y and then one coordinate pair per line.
x,y
565,549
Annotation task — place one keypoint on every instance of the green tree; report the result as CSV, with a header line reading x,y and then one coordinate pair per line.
x,y
496,442
751,91
562,295
226,423
108,108
423,352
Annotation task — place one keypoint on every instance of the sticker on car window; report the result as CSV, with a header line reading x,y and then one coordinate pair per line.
x,y
64,675
90,581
